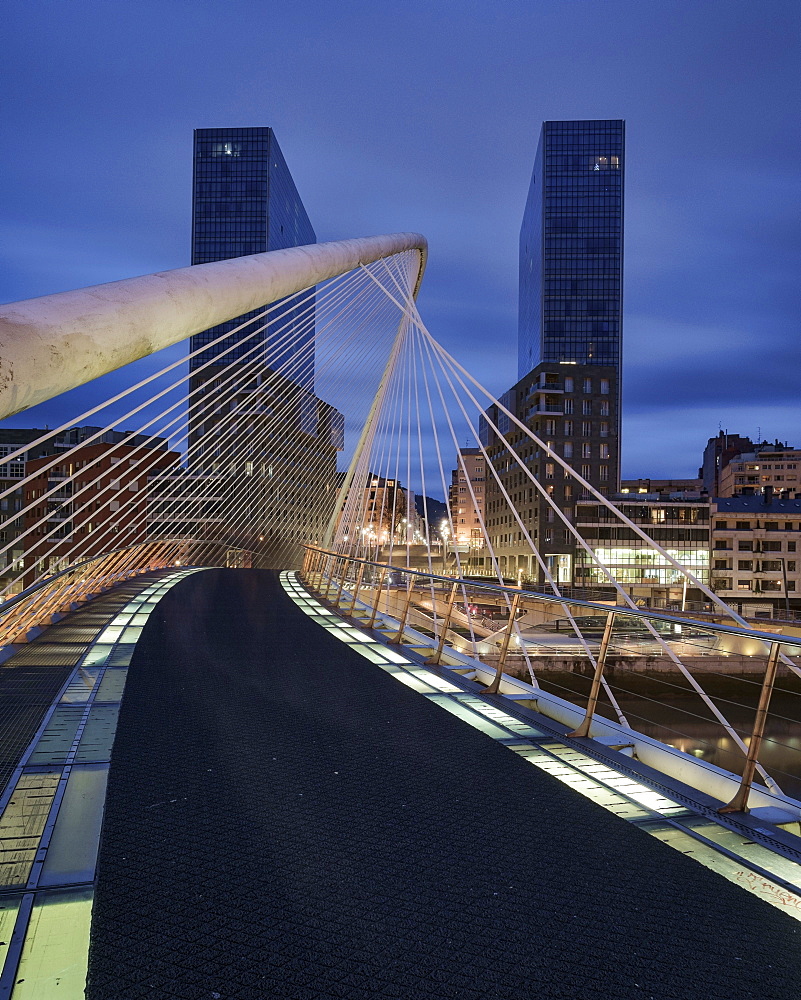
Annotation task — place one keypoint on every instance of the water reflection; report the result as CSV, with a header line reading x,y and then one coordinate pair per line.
x,y
681,719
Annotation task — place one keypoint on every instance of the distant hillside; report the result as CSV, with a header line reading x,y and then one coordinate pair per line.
x,y
436,509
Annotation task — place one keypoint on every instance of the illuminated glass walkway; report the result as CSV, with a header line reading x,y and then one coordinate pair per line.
x,y
59,703
285,820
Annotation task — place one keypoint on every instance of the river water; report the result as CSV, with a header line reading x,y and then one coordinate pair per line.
x,y
669,712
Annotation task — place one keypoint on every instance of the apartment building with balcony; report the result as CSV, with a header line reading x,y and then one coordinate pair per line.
x,y
24,446
92,502
756,553
573,409
467,500
768,469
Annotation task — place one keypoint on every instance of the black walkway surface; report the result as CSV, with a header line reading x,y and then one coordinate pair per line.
x,y
287,820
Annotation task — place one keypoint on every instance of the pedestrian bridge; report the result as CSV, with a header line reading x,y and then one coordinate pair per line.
x,y
258,740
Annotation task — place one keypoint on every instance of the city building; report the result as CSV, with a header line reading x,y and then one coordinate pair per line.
x,y
573,408
571,249
570,337
244,201
273,444
756,554
467,497
769,468
381,515
662,486
98,503
680,526
718,453
37,443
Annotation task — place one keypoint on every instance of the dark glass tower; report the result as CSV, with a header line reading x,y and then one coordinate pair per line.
x,y
244,201
571,248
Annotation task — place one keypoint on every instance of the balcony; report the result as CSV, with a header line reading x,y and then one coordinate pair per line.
x,y
545,387
551,407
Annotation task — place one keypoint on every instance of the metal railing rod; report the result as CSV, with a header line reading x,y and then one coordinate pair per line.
x,y
601,609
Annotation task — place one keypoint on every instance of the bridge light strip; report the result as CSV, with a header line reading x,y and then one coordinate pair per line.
x,y
718,848
46,900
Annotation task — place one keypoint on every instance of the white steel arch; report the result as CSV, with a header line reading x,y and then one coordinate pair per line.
x,y
57,342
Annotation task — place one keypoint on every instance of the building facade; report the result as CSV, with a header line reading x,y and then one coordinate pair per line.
x,y
756,553
680,526
94,502
29,445
571,247
719,451
570,336
661,486
767,469
244,201
573,408
254,418
467,497
272,445
381,515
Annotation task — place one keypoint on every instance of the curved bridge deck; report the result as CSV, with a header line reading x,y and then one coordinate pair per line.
x,y
284,820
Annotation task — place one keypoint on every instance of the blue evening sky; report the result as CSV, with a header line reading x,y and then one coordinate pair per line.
x,y
424,116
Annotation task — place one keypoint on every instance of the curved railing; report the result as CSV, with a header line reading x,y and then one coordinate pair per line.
x,y
59,593
488,629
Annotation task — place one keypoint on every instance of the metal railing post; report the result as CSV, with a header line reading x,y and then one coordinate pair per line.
x,y
345,564
395,641
356,589
600,663
496,683
331,572
374,614
316,577
740,801
446,621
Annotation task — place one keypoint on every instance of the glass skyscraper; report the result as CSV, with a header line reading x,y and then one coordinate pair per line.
x,y
571,247
244,201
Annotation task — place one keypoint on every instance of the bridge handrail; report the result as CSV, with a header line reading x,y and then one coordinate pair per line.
x,y
324,562
35,605
602,609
